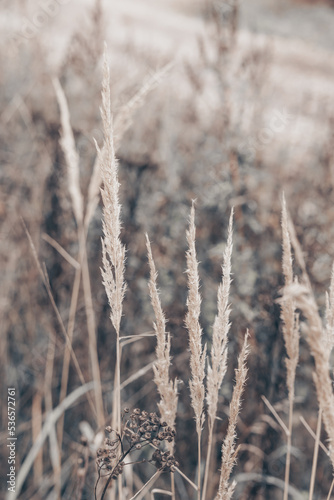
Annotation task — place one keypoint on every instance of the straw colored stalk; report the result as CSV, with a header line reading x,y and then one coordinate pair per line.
x,y
218,366
113,252
291,335
166,387
317,340
71,155
73,172
229,450
197,352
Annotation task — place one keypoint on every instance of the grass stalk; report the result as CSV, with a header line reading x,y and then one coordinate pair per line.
x,y
197,352
330,490
218,356
46,283
199,462
208,460
67,354
91,326
172,485
315,456
291,335
166,387
113,251
288,453
73,172
229,450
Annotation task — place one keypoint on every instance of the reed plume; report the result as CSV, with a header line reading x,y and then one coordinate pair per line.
x,y
217,367
113,251
166,387
317,340
197,352
229,450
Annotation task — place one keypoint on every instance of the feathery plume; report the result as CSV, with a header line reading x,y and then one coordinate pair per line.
x,y
113,251
229,451
290,334
197,352
218,366
221,326
317,340
288,308
167,389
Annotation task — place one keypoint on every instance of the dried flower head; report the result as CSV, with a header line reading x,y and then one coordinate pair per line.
x,y
139,430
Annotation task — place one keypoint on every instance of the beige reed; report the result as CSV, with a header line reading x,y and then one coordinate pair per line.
x,y
290,320
166,387
229,450
197,352
113,251
218,357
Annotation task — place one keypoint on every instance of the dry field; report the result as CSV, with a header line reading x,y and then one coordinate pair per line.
x,y
229,105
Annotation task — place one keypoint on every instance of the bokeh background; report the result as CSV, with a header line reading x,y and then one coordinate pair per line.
x,y
242,112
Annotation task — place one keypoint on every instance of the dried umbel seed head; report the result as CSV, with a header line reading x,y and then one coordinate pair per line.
x,y
140,429
164,461
117,470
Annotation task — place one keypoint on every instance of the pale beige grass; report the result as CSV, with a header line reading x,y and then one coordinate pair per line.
x,y
73,172
290,320
320,338
166,387
197,352
113,251
218,357
229,450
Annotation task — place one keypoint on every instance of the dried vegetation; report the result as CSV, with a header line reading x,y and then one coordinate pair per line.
x,y
115,408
